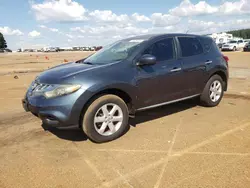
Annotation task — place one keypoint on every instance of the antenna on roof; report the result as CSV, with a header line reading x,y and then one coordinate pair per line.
x,y
187,31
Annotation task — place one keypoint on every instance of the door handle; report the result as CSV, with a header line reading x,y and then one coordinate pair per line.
x,y
208,62
176,70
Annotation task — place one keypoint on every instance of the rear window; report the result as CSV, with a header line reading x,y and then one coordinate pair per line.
x,y
190,46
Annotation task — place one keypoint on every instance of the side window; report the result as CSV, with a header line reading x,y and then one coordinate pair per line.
x,y
207,42
190,46
163,50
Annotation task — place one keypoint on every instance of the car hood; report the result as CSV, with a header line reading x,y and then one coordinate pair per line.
x,y
63,72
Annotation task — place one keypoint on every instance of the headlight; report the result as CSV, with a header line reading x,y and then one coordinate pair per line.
x,y
61,90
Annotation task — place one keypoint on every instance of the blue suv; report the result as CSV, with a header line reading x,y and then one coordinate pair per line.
x,y
100,92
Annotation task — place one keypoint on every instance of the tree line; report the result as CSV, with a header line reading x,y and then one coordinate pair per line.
x,y
243,33
3,43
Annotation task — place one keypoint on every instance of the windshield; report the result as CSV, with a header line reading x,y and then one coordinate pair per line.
x,y
233,41
117,51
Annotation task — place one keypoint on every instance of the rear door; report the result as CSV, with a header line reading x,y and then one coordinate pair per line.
x,y
193,60
163,81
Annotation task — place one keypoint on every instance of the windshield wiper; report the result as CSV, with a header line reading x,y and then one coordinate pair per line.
x,y
83,62
88,63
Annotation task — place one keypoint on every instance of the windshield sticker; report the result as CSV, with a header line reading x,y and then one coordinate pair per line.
x,y
137,41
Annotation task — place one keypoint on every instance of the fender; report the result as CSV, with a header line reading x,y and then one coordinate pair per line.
x,y
129,89
83,100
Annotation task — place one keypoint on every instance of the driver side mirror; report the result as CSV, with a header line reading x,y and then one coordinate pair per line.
x,y
147,59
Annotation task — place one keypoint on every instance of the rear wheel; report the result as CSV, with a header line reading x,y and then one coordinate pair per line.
x,y
106,119
213,91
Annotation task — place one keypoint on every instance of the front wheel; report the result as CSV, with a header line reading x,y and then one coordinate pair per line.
x,y
213,91
106,119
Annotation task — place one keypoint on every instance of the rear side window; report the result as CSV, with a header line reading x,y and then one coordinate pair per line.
x,y
214,48
207,42
163,50
210,46
190,46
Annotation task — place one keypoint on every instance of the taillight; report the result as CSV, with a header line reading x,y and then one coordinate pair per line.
x,y
226,59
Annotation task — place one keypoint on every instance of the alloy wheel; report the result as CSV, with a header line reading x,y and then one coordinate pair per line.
x,y
215,91
108,119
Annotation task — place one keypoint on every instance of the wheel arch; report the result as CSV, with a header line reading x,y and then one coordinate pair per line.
x,y
113,91
223,75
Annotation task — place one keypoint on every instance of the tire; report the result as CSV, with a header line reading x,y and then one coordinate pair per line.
x,y
94,114
206,98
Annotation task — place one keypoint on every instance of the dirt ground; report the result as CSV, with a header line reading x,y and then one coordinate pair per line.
x,y
179,145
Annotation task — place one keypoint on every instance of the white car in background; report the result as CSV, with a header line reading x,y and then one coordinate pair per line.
x,y
233,45
241,43
52,49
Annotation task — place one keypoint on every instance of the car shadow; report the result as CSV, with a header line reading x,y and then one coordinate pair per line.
x,y
162,111
75,134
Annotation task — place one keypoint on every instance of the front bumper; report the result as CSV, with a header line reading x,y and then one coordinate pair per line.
x,y
57,112
50,116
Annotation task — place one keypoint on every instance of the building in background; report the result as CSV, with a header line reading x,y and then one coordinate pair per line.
x,y
221,38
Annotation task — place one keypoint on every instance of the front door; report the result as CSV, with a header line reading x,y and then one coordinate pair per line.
x,y
163,81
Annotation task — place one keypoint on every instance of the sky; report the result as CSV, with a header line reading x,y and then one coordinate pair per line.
x,y
63,23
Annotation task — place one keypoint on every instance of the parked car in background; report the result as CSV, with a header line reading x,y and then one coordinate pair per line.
x,y
246,41
247,47
241,43
29,50
7,50
232,45
52,49
220,45
98,48
100,92
3,50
